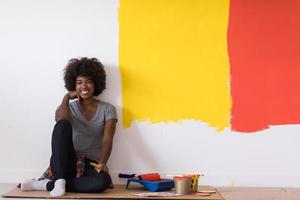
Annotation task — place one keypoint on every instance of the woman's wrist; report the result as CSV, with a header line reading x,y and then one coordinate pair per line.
x,y
66,98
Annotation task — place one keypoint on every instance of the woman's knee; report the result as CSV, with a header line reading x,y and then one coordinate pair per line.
x,y
63,128
63,124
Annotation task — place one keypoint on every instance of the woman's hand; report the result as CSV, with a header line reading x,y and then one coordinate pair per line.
x,y
72,95
101,167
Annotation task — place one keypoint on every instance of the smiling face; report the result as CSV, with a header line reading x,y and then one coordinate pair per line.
x,y
84,87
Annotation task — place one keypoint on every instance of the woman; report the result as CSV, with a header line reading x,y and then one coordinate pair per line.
x,y
83,135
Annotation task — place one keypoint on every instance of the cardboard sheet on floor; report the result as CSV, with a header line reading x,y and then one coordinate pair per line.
x,y
119,192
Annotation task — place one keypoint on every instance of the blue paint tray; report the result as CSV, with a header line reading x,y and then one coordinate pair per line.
x,y
153,186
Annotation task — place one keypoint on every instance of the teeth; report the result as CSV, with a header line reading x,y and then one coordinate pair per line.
x,y
84,92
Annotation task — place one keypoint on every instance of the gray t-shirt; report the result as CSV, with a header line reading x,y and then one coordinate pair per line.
x,y
88,134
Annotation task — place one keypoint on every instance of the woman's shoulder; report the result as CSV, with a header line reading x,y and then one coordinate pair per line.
x,y
108,110
106,104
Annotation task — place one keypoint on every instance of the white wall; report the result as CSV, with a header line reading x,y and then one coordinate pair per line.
x,y
38,37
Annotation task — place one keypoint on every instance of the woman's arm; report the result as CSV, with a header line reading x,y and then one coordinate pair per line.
x,y
107,143
63,111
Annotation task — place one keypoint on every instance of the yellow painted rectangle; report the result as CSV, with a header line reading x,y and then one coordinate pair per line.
x,y
174,62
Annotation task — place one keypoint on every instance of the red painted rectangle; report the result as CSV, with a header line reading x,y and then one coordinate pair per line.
x,y
264,52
